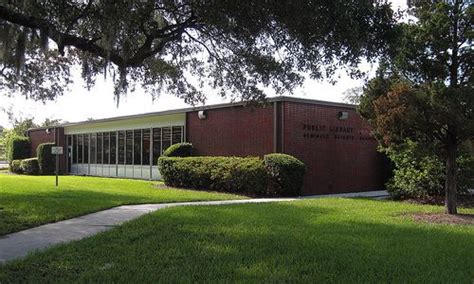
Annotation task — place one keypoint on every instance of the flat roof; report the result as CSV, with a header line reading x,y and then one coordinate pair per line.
x,y
216,106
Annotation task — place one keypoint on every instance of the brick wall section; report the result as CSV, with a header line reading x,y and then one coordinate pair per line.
x,y
340,155
39,136
232,131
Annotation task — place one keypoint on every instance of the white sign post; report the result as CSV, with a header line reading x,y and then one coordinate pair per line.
x,y
57,150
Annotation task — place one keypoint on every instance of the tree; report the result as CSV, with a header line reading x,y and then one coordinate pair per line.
x,y
424,90
51,122
235,47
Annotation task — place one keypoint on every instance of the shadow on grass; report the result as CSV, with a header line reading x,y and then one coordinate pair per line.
x,y
255,243
25,210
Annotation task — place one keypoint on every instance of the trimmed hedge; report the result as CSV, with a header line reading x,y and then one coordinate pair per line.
x,y
179,150
30,166
276,175
15,166
46,160
227,174
19,148
286,174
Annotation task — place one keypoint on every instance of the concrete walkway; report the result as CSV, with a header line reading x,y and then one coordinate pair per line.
x,y
19,244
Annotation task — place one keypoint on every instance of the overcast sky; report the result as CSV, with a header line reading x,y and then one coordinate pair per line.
x,y
80,104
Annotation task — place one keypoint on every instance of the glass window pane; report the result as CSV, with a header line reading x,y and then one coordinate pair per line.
x,y
166,138
74,152
113,149
137,149
177,134
99,148
79,149
86,148
93,148
146,147
121,145
106,148
129,147
156,144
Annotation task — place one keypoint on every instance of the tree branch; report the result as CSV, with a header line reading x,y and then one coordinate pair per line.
x,y
62,39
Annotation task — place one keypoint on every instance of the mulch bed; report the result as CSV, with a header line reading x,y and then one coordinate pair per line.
x,y
441,218
465,201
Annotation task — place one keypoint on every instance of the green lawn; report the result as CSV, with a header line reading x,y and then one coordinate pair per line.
x,y
27,201
322,240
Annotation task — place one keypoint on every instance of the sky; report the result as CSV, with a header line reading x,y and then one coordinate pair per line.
x,y
79,104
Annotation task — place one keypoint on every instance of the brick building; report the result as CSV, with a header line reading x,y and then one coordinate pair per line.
x,y
330,138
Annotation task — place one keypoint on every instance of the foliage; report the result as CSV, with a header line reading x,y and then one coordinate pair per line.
x,y
236,47
18,148
276,175
21,195
3,153
325,240
286,174
423,90
179,150
227,174
15,167
420,173
30,166
46,160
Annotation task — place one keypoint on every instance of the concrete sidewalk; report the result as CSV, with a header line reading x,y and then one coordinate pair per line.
x,y
19,244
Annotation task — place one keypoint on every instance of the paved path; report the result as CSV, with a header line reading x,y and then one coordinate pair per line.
x,y
19,244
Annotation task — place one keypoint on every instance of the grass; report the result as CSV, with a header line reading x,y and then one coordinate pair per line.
x,y
28,201
322,240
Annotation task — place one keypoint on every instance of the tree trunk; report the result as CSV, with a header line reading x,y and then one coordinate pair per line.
x,y
450,188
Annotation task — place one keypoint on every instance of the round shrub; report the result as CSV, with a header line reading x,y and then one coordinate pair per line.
x,y
46,160
15,166
285,173
30,166
179,150
18,148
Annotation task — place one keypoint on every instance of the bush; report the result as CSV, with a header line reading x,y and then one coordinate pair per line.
x,y
418,173
277,174
18,148
30,166
15,166
46,160
179,150
286,174
228,174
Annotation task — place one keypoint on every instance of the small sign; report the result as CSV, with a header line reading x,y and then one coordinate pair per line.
x,y
56,150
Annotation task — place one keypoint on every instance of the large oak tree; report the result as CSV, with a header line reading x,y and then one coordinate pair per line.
x,y
236,47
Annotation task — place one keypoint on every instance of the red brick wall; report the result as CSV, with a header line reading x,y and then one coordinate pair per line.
x,y
232,131
340,155
39,136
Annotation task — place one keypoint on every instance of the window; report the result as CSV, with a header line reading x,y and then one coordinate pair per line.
x,y
121,149
166,137
99,148
146,147
86,148
74,151
156,144
129,147
177,134
93,148
113,148
137,147
106,148
80,144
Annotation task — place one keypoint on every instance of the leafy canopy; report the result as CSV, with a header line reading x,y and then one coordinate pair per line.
x,y
235,47
424,86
